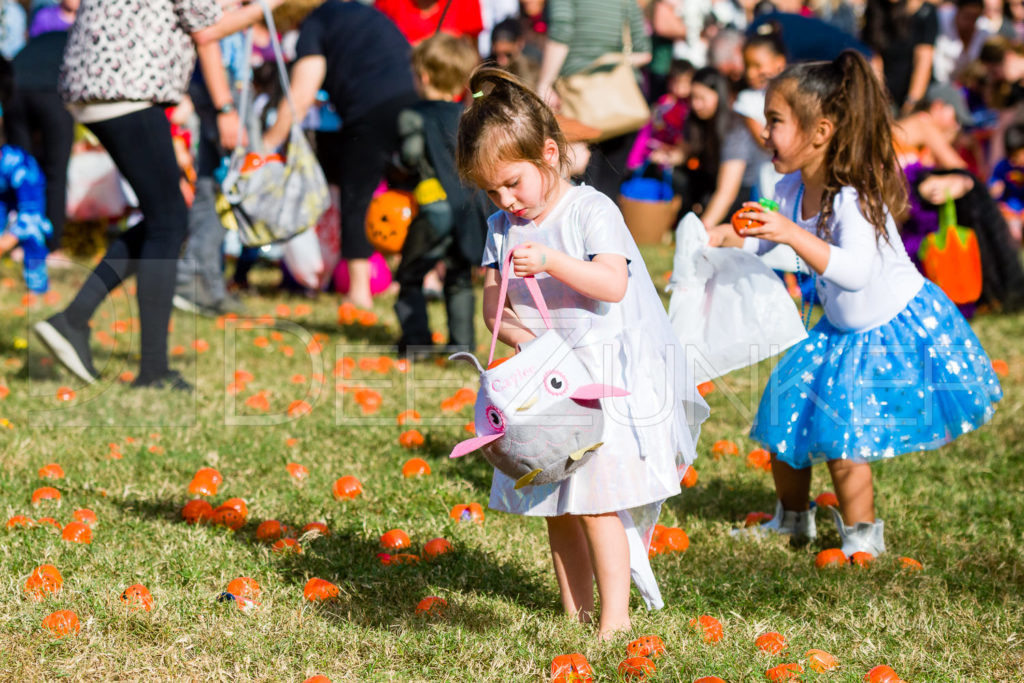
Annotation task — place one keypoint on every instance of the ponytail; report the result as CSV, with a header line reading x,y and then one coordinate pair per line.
x,y
505,122
860,154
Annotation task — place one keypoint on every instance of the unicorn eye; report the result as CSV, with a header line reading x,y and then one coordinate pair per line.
x,y
495,418
555,383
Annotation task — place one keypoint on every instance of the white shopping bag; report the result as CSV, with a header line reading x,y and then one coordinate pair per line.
x,y
304,261
95,189
727,307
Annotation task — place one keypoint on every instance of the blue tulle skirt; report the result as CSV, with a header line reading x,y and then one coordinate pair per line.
x,y
912,384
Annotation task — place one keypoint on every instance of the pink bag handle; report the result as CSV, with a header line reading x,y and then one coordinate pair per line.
x,y
531,285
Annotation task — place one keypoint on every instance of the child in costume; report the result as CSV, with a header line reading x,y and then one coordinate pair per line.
x,y
893,366
602,300
23,192
1007,181
452,217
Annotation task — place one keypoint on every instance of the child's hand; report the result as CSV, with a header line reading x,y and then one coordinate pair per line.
x,y
774,226
530,258
724,236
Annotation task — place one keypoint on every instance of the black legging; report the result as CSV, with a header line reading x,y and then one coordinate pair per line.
x,y
37,121
364,147
140,145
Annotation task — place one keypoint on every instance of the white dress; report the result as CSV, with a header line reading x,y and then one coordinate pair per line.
x,y
649,435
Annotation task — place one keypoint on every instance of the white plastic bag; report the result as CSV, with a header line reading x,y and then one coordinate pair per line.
x,y
303,259
727,307
95,188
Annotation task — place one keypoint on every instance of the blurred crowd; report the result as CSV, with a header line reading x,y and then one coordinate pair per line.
x,y
953,70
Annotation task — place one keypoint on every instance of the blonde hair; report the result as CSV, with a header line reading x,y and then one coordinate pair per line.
x,y
446,61
506,122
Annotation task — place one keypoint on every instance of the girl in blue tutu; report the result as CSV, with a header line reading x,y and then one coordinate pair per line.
x,y
892,367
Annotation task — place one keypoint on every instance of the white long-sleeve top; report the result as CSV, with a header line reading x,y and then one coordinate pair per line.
x,y
867,280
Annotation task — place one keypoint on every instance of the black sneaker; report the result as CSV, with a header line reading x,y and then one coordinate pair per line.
x,y
70,346
171,379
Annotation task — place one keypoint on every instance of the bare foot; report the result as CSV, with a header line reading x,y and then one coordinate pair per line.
x,y
608,632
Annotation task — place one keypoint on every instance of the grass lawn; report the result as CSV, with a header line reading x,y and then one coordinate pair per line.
x,y
129,456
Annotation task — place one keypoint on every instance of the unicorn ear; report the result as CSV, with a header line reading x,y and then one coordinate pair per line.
x,y
470,445
469,358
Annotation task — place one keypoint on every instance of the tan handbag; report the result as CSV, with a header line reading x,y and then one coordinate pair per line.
x,y
606,95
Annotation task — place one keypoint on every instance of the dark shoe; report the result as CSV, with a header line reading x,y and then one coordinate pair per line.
x,y
70,346
172,379
229,304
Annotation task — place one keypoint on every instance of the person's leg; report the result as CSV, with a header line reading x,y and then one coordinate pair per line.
x,y
411,304
460,301
140,145
57,131
792,486
365,146
855,490
609,558
575,577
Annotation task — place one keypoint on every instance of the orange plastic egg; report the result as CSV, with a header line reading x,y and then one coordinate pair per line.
x,y
316,527
269,531
709,628
646,646
675,540
741,225
62,623
396,539
19,521
237,504
49,521
471,512
318,590
415,467
689,479
298,472
432,606
882,674
827,500
572,668
44,580
211,473
636,668
45,493
85,516
910,564
784,672
317,679
405,558
755,518
1000,367
347,487
772,642
724,447
196,511
51,471
862,559
830,558
760,459
65,394
227,517
244,587
411,439
407,416
286,545
77,532
137,597
709,679
820,661
436,547
202,486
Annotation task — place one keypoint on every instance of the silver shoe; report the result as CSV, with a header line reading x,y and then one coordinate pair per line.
x,y
865,537
800,526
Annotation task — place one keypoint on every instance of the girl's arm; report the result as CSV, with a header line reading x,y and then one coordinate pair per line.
x,y
513,332
920,75
730,179
604,278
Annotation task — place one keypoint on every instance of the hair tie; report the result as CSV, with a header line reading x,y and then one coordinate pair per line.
x,y
478,94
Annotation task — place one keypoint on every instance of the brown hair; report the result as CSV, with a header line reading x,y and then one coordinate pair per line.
x,y
446,61
505,122
860,154
289,14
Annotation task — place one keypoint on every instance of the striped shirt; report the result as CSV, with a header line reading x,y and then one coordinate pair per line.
x,y
592,28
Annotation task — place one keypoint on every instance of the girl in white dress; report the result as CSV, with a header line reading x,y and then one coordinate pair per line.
x,y
574,241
